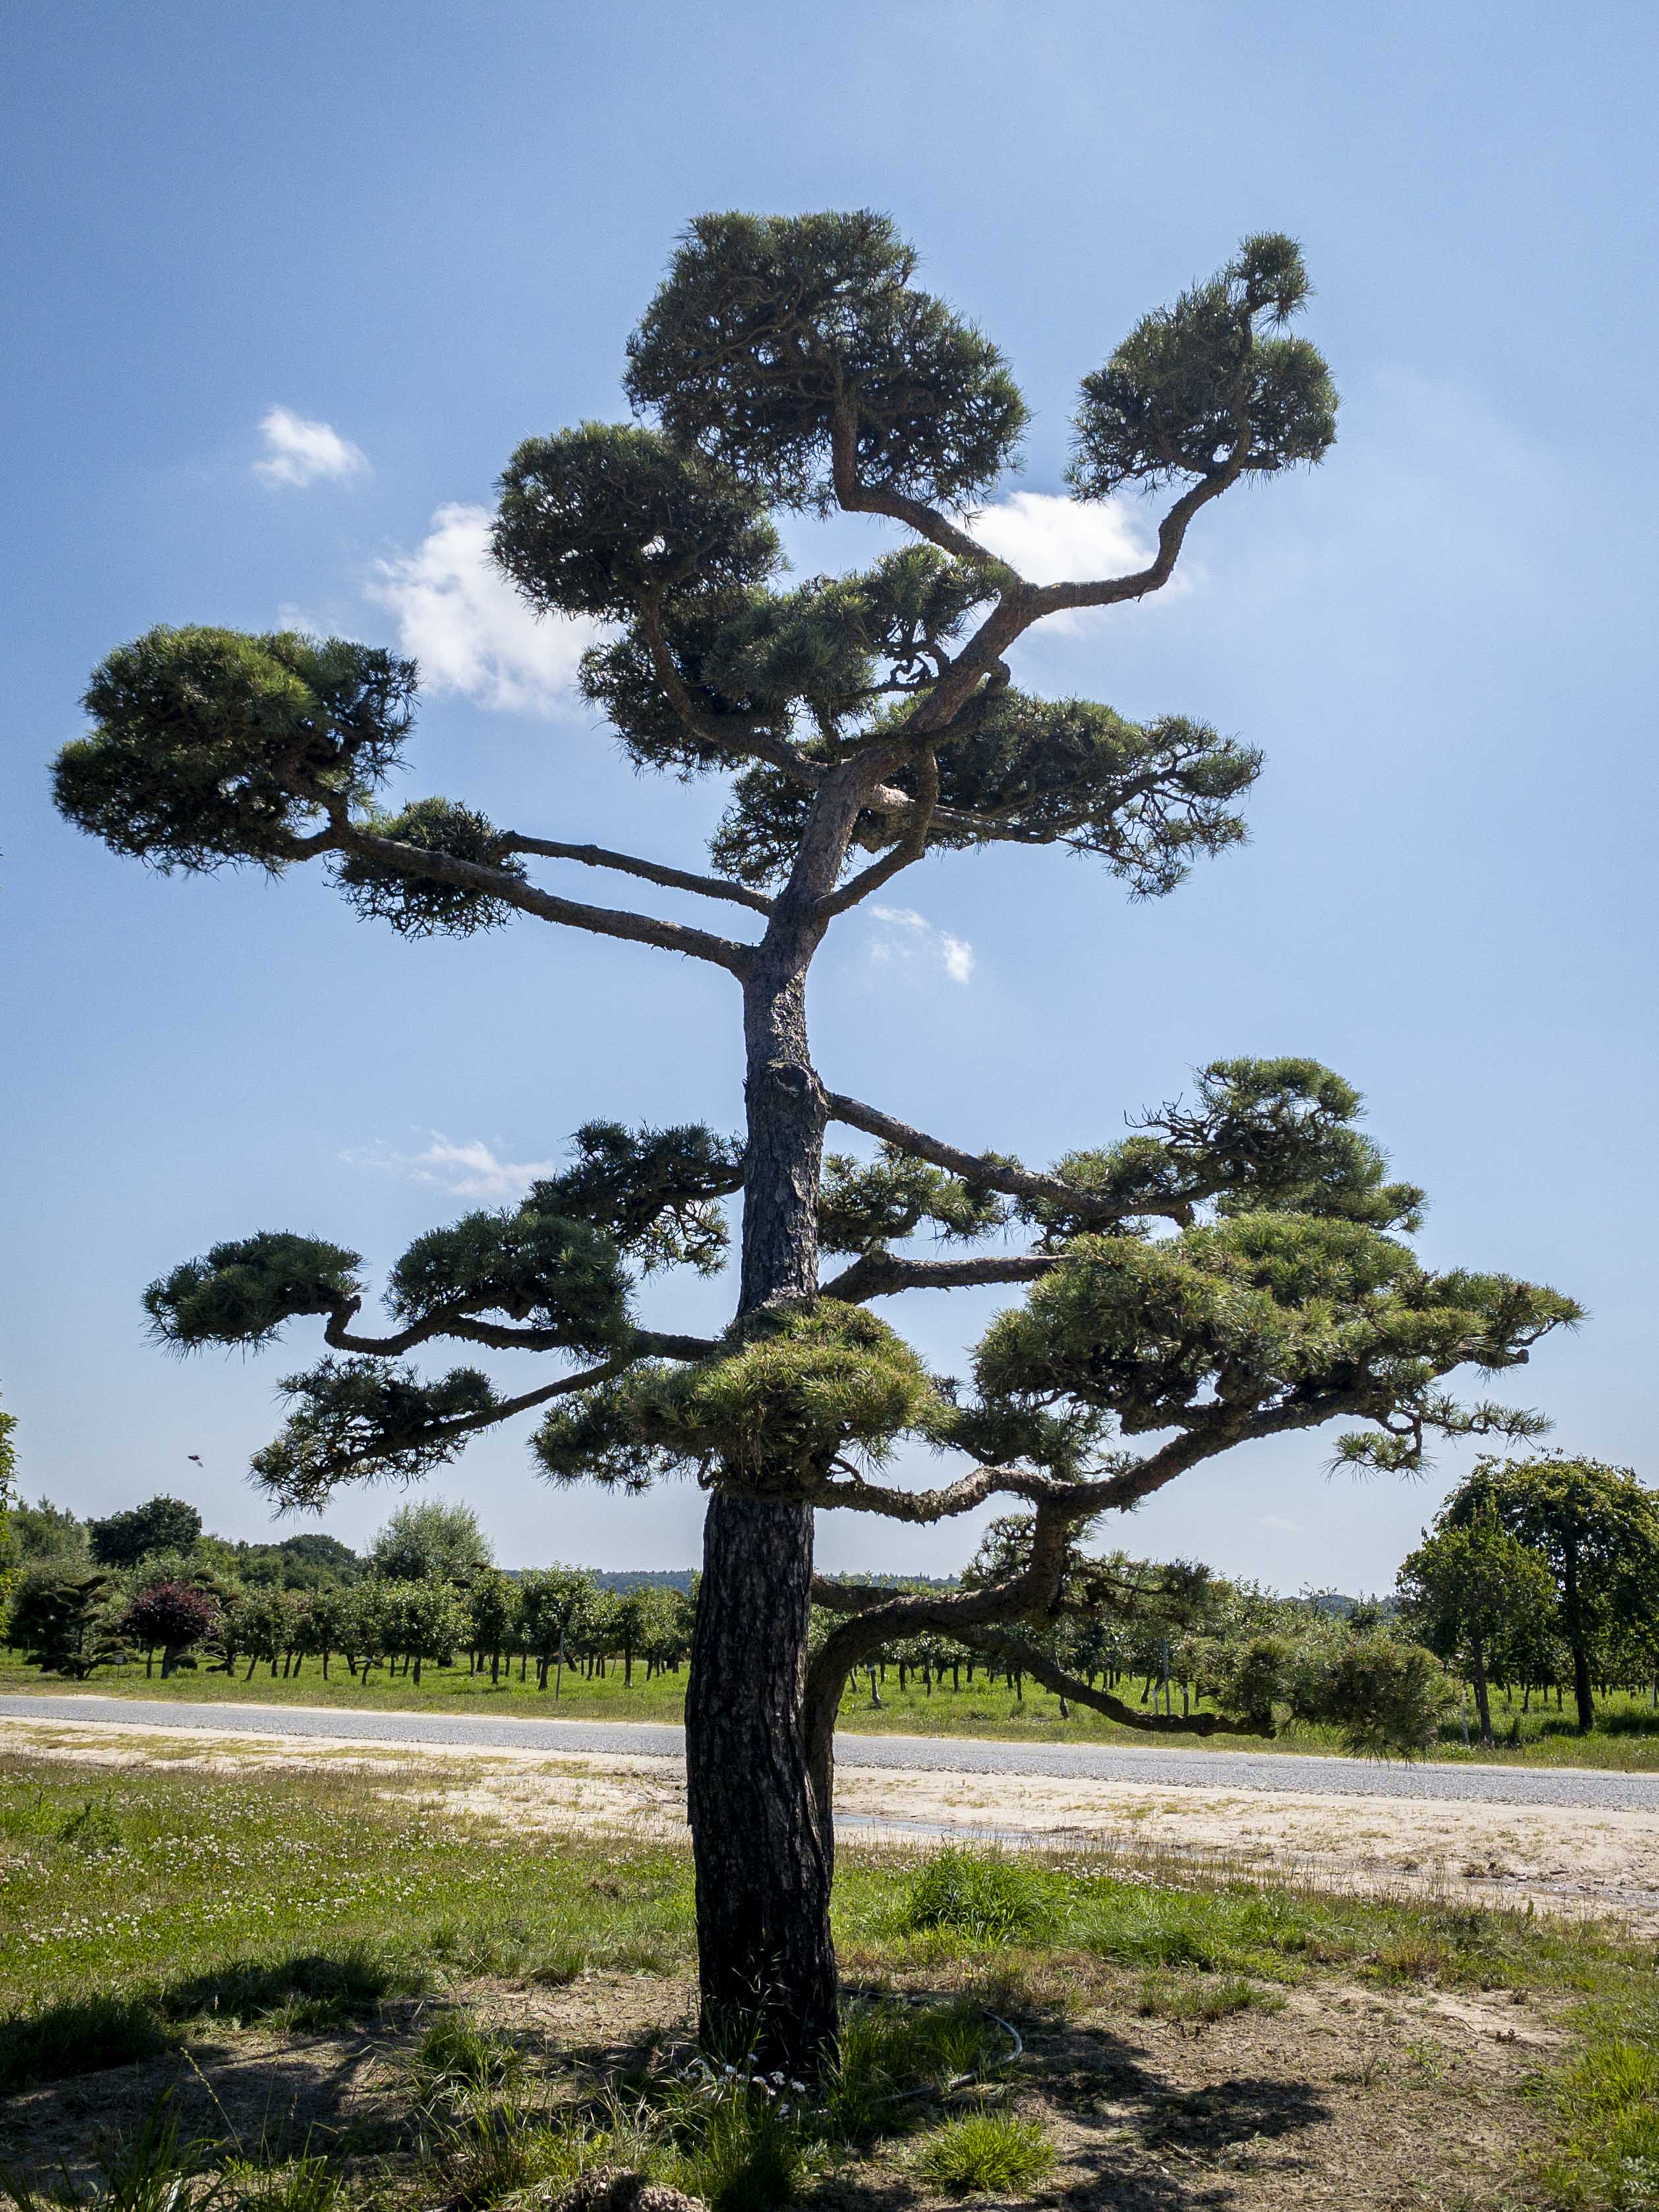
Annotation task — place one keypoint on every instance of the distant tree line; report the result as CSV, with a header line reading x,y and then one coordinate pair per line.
x,y
1538,1577
149,1585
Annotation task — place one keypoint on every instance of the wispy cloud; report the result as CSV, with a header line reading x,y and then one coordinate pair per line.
x,y
468,627
472,1169
910,936
299,452
1280,1527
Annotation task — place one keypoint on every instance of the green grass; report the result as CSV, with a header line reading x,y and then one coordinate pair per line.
x,y
1626,1740
298,1896
985,1897
1607,2102
986,2152
160,1905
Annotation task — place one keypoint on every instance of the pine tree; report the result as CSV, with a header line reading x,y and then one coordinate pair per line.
x,y
1234,1270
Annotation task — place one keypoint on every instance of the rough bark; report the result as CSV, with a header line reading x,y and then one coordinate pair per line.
x,y
763,1853
761,1840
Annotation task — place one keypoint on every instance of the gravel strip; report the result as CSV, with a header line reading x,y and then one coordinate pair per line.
x,y
1159,1766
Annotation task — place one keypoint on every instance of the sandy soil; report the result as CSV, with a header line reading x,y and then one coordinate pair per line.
x,y
1554,1858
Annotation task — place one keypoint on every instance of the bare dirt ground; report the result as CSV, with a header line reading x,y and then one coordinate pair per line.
x,y
1555,1858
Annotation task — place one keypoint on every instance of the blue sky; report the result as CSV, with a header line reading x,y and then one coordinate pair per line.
x,y
290,283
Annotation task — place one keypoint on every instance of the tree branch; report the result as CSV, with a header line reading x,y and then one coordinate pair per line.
x,y
1022,604
911,846
504,1408
651,872
1016,1651
455,1322
988,1174
1217,1428
929,1506
1056,599
498,884
927,521
751,744
881,1274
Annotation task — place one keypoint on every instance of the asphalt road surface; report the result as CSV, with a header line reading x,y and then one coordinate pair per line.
x,y
1161,1765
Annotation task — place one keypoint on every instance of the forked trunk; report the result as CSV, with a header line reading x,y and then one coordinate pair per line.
x,y
761,1842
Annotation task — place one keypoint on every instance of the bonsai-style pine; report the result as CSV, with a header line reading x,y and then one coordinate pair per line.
x,y
1237,1269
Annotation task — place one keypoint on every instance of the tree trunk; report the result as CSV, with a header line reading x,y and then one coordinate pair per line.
x,y
764,1857
762,1838
1572,1621
1482,1701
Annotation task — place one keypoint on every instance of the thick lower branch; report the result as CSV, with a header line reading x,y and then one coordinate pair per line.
x,y
1014,1651
987,1174
463,1328
650,871
884,1274
512,890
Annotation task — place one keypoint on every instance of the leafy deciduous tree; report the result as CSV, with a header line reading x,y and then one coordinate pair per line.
x,y
160,1524
1235,1269
1471,1589
1597,1529
430,1539
176,1615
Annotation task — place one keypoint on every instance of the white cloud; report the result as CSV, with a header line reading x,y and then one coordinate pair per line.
x,y
468,627
470,1170
299,452
910,936
1281,1526
1054,540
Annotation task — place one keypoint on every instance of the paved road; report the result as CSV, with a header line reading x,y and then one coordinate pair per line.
x,y
1161,1765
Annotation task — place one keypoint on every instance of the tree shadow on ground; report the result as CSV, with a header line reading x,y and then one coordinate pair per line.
x,y
271,2059
1129,2133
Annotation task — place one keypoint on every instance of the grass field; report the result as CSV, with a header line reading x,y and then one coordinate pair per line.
x,y
310,1990
1627,1738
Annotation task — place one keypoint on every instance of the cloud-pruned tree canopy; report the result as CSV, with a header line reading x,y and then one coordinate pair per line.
x,y
1235,1267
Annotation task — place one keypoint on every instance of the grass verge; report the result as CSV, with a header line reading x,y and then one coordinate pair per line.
x,y
327,1991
